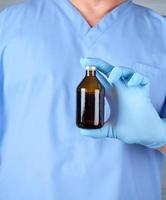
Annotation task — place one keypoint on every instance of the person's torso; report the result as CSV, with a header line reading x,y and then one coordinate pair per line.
x,y
43,156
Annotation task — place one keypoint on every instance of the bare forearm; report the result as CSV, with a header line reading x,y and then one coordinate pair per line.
x,y
162,149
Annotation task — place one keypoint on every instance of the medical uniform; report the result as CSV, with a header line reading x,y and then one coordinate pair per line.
x,y
42,154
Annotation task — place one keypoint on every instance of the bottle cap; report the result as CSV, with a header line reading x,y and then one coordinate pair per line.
x,y
90,67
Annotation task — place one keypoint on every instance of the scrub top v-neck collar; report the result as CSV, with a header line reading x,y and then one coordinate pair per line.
x,y
90,34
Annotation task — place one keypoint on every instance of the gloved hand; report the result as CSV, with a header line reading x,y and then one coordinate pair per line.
x,y
135,120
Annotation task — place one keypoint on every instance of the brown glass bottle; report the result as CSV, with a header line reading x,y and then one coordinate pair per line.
x,y
90,101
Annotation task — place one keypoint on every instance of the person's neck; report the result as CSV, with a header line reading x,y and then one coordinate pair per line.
x,y
94,10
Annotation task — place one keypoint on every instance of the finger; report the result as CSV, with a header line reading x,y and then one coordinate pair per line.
x,y
135,80
101,65
138,80
96,133
145,81
120,73
104,81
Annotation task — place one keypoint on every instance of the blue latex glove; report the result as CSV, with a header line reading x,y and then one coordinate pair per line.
x,y
135,120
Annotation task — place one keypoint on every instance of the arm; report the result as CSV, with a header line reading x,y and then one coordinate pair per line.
x,y
163,149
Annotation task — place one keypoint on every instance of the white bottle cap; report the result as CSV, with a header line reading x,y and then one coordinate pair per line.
x,y
90,67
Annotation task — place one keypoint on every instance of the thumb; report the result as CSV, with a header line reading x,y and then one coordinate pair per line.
x,y
105,131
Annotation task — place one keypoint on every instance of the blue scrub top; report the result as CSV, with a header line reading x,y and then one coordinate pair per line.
x,y
42,154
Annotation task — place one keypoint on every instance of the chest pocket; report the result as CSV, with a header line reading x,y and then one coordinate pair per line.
x,y
157,80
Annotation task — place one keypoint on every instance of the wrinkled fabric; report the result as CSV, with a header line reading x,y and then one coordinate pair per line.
x,y
42,154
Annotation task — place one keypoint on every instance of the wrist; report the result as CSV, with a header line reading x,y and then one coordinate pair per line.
x,y
162,149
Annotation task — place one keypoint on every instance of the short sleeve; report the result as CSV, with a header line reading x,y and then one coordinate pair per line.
x,y
1,103
163,113
1,78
